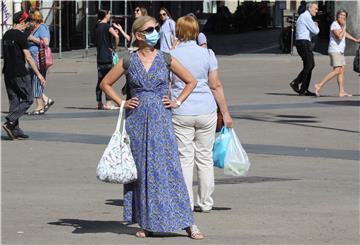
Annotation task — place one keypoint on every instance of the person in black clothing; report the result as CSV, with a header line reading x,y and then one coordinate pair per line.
x,y
104,45
302,7
16,76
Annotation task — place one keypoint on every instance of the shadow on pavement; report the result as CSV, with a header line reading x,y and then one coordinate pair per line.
x,y
249,180
96,226
341,102
115,202
291,122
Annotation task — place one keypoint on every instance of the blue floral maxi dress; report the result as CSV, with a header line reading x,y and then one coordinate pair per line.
x,y
158,201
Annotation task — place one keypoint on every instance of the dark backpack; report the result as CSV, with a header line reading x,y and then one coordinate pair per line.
x,y
126,64
356,64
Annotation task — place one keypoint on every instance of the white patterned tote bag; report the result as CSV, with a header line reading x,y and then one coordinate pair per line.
x,y
117,163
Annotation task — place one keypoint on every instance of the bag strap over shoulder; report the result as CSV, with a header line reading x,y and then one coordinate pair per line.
x,y
118,124
167,57
126,60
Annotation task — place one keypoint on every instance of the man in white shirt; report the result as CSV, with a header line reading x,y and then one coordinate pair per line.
x,y
305,29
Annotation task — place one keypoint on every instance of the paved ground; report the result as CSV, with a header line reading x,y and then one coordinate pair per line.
x,y
303,187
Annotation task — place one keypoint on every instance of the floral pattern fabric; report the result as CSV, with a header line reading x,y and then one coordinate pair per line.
x,y
158,201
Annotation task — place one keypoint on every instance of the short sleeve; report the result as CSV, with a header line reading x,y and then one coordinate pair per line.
x,y
201,39
212,61
173,26
44,32
335,26
23,43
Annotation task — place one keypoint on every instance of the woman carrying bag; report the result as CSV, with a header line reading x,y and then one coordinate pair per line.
x,y
39,36
158,200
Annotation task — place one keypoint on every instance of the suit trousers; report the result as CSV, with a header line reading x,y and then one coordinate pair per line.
x,y
304,49
195,137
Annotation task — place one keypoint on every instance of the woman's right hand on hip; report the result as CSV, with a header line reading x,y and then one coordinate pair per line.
x,y
132,103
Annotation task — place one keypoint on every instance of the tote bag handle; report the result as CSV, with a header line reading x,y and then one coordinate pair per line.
x,y
118,124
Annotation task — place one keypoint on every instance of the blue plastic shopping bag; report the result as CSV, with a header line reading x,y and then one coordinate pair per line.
x,y
220,147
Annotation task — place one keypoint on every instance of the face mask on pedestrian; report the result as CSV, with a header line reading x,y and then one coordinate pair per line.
x,y
152,38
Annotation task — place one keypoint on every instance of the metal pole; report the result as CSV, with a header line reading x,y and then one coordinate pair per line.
x,y
292,34
126,22
60,30
87,28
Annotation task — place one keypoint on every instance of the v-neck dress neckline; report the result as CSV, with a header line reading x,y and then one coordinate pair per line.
x,y
152,63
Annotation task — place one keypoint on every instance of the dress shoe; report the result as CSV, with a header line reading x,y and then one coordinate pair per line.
x,y
307,93
21,136
9,127
295,86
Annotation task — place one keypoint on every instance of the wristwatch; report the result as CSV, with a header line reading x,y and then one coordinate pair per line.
x,y
178,102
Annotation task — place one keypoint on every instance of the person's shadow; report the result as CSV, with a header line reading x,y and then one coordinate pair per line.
x,y
96,226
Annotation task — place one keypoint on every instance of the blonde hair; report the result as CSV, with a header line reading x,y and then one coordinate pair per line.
x,y
187,28
143,11
37,17
138,25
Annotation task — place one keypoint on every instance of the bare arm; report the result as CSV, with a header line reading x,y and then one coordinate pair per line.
x,y
128,38
37,40
115,35
190,83
106,85
340,33
348,36
31,62
218,92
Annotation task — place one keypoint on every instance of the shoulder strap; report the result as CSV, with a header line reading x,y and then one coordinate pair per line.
x,y
126,60
167,57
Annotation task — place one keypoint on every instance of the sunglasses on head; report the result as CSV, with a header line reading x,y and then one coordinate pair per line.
x,y
150,29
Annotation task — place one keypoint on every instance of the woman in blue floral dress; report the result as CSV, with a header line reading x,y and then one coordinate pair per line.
x,y
158,201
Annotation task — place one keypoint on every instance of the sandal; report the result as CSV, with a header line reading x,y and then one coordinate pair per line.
x,y
49,103
112,107
144,234
194,233
37,112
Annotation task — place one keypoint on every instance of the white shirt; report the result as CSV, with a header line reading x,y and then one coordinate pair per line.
x,y
336,45
306,27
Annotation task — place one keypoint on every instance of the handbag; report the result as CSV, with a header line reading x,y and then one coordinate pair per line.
x,y
117,164
45,56
220,121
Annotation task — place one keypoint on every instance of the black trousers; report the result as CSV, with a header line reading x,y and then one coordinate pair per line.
x,y
102,71
304,49
20,95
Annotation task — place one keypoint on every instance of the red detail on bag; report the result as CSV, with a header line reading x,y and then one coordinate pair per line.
x,y
45,56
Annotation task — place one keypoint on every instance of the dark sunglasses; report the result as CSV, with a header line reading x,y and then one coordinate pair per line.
x,y
150,29
137,10
163,14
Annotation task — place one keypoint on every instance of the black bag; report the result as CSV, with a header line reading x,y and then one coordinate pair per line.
x,y
356,64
